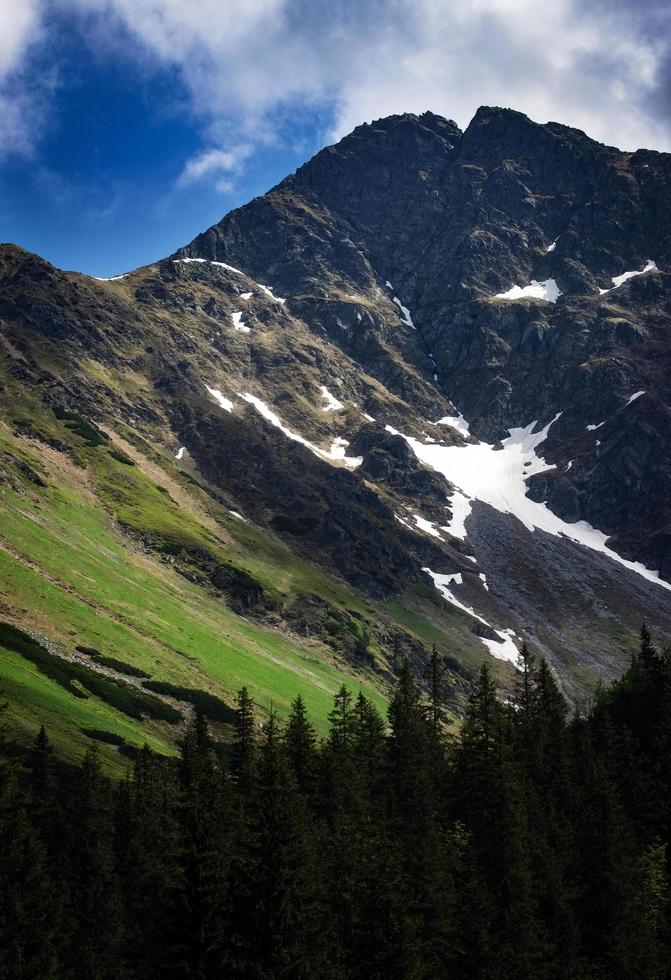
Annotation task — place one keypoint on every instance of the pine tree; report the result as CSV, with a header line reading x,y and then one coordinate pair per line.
x,y
341,719
204,818
647,653
369,743
415,782
151,865
278,923
244,743
96,938
29,910
300,741
436,677
493,804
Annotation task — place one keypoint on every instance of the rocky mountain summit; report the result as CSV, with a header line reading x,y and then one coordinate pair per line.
x,y
456,221
432,365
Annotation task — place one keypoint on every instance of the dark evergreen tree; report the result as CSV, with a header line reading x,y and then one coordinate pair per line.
x,y
301,745
244,744
436,683
204,818
95,914
29,909
341,718
280,931
151,861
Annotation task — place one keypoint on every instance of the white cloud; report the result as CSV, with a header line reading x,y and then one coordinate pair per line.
x,y
20,103
548,59
215,165
19,26
553,59
247,65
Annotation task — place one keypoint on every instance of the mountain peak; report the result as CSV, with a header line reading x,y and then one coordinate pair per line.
x,y
318,368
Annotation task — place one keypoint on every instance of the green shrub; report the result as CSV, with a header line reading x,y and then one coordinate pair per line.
x,y
121,457
123,697
88,430
109,738
211,706
112,662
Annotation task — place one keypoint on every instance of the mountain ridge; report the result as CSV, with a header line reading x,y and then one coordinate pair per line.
x,y
569,274
303,394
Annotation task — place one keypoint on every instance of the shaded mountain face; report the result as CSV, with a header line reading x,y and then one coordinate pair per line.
x,y
454,219
418,352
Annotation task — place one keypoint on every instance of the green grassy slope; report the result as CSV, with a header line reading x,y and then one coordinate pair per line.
x,y
102,546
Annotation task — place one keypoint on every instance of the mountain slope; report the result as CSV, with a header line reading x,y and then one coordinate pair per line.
x,y
454,219
300,390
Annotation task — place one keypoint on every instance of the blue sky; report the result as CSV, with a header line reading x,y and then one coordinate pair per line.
x,y
128,126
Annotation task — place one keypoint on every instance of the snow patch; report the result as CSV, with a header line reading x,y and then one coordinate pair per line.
x,y
547,290
498,478
268,291
338,446
332,403
239,516
460,505
503,648
632,398
552,247
427,526
224,402
246,295
111,278
237,322
593,428
180,452
457,422
337,451
405,313
483,579
649,266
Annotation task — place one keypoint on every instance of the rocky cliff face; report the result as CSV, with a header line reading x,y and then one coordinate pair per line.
x,y
455,219
345,358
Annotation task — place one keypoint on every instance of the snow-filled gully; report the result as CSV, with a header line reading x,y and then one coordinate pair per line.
x,y
502,648
238,272
498,477
650,266
336,453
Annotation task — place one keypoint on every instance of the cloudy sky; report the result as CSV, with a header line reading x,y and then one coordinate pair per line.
x,y
127,126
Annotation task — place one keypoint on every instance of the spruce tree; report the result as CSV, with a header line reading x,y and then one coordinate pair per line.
x,y
278,923
436,680
151,866
29,907
244,742
204,818
96,937
300,741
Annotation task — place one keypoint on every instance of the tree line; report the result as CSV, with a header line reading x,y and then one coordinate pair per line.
x,y
533,846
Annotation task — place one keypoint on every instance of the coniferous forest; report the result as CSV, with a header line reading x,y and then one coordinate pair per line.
x,y
533,846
